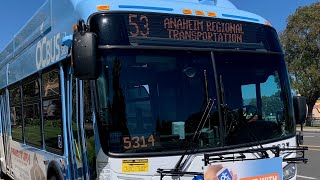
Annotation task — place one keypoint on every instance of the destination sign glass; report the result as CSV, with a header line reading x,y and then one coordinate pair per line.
x,y
182,30
195,28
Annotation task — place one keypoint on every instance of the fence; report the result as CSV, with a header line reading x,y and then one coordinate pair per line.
x,y
313,121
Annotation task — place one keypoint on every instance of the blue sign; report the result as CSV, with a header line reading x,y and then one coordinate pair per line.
x,y
224,174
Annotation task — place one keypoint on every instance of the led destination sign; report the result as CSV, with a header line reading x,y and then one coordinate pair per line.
x,y
203,30
179,27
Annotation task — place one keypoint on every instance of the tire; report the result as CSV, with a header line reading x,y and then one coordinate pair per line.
x,y
52,177
54,172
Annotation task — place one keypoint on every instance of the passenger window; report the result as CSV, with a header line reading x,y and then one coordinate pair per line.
x,y
15,95
51,85
15,113
52,111
31,113
31,90
32,124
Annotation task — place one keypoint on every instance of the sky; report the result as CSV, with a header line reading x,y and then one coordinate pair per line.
x,y
15,13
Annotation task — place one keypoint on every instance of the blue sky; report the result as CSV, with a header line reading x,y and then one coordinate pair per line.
x,y
14,13
275,11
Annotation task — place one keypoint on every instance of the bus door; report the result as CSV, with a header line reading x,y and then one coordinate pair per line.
x,y
81,129
5,132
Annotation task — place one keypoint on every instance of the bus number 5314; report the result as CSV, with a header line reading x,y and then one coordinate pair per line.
x,y
136,142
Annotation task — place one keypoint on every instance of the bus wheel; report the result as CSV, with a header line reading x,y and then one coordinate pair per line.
x,y
54,172
53,176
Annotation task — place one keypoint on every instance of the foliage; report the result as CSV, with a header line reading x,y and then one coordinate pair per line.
x,y
270,104
301,44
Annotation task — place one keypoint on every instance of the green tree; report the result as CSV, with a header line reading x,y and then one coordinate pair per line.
x,y
270,104
301,45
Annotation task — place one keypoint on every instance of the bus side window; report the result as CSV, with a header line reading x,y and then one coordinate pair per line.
x,y
31,112
15,113
51,109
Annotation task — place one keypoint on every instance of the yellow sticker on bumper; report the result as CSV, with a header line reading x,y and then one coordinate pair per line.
x,y
135,165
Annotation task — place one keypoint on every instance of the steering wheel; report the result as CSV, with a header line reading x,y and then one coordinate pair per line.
x,y
249,112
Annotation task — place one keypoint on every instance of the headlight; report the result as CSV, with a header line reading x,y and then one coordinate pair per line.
x,y
289,171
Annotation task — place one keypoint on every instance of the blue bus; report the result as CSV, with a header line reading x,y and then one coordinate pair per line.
x,y
149,89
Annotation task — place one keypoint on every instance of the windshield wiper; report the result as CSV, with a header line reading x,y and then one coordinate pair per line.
x,y
219,100
196,135
177,169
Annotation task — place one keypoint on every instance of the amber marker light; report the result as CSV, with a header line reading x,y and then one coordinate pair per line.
x,y
212,14
200,13
268,24
75,27
103,7
187,11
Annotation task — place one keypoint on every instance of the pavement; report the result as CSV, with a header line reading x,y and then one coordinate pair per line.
x,y
310,170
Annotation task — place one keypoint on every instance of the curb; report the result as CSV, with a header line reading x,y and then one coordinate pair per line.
x,y
309,130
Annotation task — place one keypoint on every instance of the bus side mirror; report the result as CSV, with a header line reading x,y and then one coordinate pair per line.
x,y
84,55
300,109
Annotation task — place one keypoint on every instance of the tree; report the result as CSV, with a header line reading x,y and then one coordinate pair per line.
x,y
270,104
301,45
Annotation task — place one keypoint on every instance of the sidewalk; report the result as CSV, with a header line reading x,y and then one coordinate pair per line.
x,y
308,129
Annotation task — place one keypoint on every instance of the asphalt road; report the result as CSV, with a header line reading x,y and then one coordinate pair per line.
x,y
311,170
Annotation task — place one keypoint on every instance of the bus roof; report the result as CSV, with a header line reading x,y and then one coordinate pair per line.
x,y
223,9
55,18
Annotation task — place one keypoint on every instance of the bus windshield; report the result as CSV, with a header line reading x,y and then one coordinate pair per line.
x,y
153,101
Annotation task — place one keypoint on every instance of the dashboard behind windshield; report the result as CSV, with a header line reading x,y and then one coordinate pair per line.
x,y
153,101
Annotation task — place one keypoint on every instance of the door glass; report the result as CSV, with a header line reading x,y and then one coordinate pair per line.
x,y
88,127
